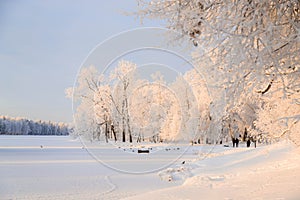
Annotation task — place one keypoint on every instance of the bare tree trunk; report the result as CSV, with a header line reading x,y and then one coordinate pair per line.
x,y
154,139
113,132
106,132
123,124
129,130
127,117
123,136
139,138
98,132
130,137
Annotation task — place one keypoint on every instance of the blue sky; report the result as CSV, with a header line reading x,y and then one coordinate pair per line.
x,y
42,45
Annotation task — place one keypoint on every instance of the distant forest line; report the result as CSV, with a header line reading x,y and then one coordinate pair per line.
x,y
23,126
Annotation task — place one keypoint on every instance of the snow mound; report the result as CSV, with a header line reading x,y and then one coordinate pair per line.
x,y
179,172
175,174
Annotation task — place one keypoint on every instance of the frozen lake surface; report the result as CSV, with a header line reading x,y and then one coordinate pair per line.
x,y
58,167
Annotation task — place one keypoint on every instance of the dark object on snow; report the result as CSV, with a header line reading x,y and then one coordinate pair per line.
x,y
183,162
254,140
237,142
143,151
41,146
245,134
248,143
226,145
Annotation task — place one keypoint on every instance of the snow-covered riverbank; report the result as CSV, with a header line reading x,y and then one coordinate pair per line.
x,y
58,167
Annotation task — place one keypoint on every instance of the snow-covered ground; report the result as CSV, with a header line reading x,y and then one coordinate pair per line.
x,y
58,167
267,172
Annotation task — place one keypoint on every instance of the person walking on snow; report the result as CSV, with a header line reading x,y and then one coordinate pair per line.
x,y
237,140
236,134
232,135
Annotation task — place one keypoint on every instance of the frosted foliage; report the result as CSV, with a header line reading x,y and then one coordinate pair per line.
x,y
280,118
199,88
136,108
152,110
23,126
104,103
201,99
248,51
243,111
83,98
124,73
249,39
277,115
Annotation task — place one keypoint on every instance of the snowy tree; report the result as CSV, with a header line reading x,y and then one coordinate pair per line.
x,y
188,108
102,102
83,97
241,47
147,111
165,109
123,76
23,126
2,126
259,40
103,112
278,116
25,129
203,100
123,105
